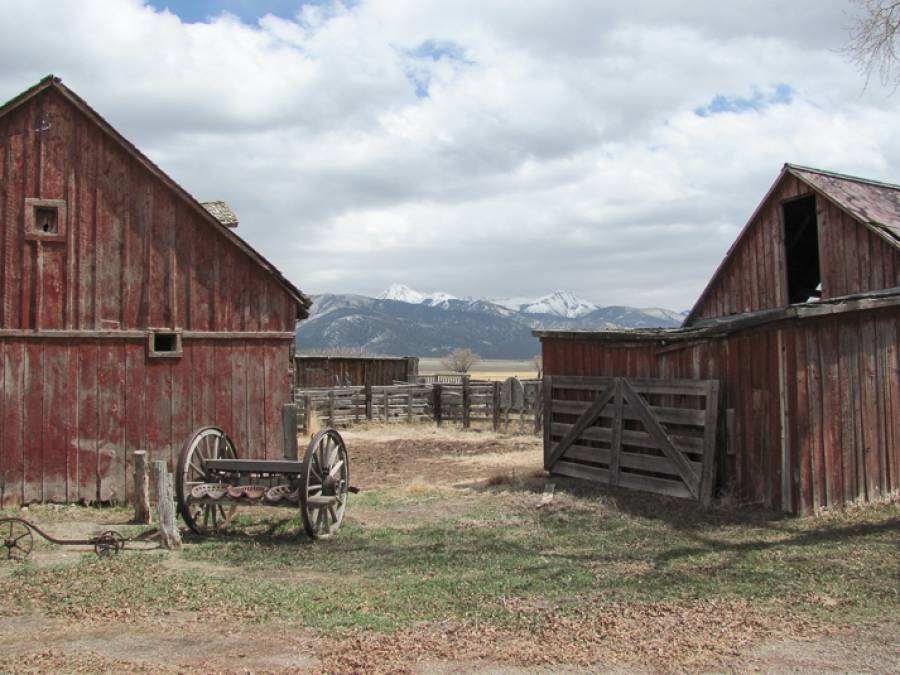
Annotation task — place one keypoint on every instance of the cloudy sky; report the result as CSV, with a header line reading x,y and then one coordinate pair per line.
x,y
481,148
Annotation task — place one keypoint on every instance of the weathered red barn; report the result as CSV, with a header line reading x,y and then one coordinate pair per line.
x,y
129,314
800,325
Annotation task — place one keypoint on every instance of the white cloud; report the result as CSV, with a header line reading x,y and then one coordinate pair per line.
x,y
558,144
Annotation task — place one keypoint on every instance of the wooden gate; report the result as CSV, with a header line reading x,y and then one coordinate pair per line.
x,y
655,435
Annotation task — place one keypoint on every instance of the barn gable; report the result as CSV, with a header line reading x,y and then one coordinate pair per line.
x,y
815,235
129,248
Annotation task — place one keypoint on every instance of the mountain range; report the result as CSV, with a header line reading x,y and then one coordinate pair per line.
x,y
404,322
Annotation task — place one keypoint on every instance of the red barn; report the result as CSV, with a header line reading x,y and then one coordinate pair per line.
x,y
129,314
800,325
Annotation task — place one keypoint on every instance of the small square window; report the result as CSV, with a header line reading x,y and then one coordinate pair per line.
x,y
164,344
45,219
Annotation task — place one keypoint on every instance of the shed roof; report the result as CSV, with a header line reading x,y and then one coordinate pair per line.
x,y
51,81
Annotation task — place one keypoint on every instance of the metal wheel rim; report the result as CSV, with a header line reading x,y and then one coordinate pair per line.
x,y
325,482
18,542
109,543
207,443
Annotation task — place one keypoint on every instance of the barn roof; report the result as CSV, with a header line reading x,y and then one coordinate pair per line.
x,y
873,204
51,81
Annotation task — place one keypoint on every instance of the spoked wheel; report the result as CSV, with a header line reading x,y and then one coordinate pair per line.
x,y
108,544
325,481
206,443
17,538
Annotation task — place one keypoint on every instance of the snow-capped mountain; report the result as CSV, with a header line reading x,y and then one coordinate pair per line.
x,y
557,303
403,293
403,321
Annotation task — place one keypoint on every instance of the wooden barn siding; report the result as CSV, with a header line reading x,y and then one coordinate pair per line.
x,y
135,255
852,259
841,395
73,411
314,371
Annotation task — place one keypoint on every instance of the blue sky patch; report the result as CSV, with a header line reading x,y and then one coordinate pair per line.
x,y
419,59
249,11
780,94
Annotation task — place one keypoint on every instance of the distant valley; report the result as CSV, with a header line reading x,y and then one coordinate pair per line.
x,y
405,322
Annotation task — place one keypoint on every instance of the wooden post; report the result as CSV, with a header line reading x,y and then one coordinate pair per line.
x,y
436,404
386,401
141,488
548,417
466,402
307,413
170,537
368,392
289,425
409,405
538,407
495,407
331,408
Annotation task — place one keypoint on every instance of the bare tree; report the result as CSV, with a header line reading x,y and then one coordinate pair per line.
x,y
874,43
460,360
538,362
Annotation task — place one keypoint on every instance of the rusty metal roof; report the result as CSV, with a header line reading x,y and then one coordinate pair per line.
x,y
221,212
871,202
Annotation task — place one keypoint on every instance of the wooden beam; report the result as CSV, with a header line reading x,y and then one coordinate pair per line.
x,y
586,420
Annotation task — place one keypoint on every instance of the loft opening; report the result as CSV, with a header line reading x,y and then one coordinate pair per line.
x,y
163,344
45,219
801,242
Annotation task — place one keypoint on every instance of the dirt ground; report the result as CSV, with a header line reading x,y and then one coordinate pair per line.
x,y
417,459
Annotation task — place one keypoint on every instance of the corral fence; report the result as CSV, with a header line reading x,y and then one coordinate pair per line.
x,y
512,405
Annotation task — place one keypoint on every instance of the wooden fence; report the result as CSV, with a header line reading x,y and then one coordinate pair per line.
x,y
654,435
494,404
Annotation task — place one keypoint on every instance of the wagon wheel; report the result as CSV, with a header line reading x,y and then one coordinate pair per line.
x,y
206,443
325,479
108,544
17,538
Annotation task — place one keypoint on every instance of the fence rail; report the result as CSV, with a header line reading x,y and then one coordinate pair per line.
x,y
504,406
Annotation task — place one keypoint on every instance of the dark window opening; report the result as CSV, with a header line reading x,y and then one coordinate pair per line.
x,y
165,342
801,243
46,219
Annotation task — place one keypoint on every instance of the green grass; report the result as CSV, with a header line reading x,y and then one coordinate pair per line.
x,y
503,552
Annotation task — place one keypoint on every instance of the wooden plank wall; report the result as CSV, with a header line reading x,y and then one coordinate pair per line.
x,y
72,412
834,379
344,371
134,255
852,259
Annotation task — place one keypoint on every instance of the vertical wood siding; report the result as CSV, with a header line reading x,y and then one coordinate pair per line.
x,y
72,412
841,398
135,256
324,371
852,259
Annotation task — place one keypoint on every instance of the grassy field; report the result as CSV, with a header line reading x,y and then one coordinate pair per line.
x,y
488,369
473,570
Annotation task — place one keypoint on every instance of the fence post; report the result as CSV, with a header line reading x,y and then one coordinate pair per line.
x,y
436,404
141,488
368,392
331,408
409,405
170,537
495,407
538,407
466,402
289,427
387,398
548,415
307,413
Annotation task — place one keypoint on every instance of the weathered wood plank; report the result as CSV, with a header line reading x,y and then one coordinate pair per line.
x,y
586,420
